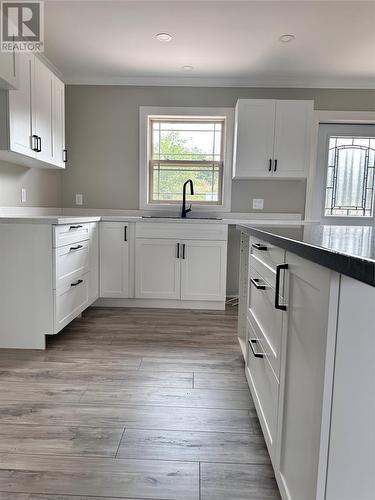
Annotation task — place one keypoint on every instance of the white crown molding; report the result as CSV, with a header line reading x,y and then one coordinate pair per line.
x,y
164,81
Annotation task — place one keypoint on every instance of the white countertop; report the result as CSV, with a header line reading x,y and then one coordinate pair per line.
x,y
47,219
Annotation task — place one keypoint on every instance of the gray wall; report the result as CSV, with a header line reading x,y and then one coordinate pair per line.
x,y
102,138
43,186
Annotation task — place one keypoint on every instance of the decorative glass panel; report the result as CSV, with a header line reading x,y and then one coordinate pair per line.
x,y
350,177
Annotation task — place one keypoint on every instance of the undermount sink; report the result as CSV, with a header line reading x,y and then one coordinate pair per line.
x,y
178,218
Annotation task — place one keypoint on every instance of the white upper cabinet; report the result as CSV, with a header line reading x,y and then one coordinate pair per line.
x,y
20,127
32,118
42,120
272,138
8,67
253,142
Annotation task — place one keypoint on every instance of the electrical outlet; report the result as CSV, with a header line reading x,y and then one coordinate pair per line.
x,y
258,203
23,195
79,199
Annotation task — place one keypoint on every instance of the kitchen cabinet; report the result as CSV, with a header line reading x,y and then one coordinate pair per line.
x,y
49,273
171,267
8,66
115,259
32,128
272,138
303,372
301,318
158,269
203,270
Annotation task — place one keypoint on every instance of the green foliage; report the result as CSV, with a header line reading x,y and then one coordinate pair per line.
x,y
168,181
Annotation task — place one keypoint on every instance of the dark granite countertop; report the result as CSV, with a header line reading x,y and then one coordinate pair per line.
x,y
349,250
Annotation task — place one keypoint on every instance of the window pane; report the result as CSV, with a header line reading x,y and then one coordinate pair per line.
x,y
349,184
182,150
168,180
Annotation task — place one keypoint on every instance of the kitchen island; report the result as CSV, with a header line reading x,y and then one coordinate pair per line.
x,y
307,332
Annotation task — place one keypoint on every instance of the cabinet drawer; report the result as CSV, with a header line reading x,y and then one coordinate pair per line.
x,y
264,257
182,230
265,318
70,262
265,390
70,300
68,234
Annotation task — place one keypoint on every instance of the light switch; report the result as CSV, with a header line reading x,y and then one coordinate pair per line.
x,y
79,199
23,195
258,203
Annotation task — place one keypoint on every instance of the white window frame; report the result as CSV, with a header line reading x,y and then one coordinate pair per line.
x,y
145,112
313,183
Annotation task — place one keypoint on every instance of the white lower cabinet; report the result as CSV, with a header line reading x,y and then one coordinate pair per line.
x,y
314,397
70,300
170,267
158,269
115,259
203,270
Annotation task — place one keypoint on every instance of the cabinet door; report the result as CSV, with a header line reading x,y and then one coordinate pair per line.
x,y
292,138
158,269
58,121
20,122
253,141
114,260
42,93
8,65
203,268
302,376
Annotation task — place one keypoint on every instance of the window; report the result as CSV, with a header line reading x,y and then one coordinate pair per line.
x,y
182,149
350,177
344,190
177,144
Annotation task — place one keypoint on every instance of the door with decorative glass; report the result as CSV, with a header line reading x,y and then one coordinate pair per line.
x,y
345,175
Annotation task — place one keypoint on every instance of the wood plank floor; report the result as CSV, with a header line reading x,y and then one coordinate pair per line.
x,y
132,404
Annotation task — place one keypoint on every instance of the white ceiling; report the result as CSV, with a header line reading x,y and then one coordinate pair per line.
x,y
227,42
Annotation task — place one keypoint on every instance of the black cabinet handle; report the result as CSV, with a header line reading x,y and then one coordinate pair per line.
x,y
256,354
76,283
270,165
259,246
78,226
282,307
39,142
65,155
275,166
178,250
75,248
258,283
125,233
183,250
34,143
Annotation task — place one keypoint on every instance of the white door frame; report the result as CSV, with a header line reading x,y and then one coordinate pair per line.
x,y
338,117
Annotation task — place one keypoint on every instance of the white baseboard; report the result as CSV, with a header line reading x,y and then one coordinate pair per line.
x,y
161,304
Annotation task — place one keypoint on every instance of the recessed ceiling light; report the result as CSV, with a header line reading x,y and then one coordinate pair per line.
x,y
163,37
187,68
287,38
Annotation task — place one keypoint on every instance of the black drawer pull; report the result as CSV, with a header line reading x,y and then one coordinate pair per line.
x,y
75,248
76,283
125,233
183,250
258,283
178,250
259,246
275,166
256,354
65,155
78,226
270,165
282,307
